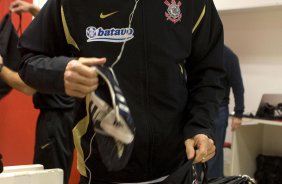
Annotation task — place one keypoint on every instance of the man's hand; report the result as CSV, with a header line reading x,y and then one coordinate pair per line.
x,y
1,60
19,6
80,76
1,65
236,122
201,148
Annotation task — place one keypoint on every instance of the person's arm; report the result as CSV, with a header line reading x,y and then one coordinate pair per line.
x,y
43,65
13,79
237,86
205,72
50,68
19,6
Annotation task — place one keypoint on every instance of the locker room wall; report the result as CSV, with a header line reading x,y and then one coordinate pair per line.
x,y
17,115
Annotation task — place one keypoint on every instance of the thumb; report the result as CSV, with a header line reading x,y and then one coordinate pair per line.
x,y
92,61
190,150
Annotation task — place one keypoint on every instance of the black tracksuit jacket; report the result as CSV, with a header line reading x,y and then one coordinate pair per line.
x,y
170,72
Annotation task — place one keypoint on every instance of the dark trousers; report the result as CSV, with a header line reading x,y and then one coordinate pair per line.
x,y
216,164
54,141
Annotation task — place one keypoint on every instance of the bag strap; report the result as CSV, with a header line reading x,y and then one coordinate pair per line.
x,y
19,29
205,171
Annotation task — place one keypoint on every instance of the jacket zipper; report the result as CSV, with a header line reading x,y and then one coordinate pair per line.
x,y
183,72
147,101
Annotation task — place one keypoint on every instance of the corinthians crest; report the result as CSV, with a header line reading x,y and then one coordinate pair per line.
x,y
173,11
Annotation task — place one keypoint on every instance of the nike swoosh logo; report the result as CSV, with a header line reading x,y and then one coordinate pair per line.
x,y
103,16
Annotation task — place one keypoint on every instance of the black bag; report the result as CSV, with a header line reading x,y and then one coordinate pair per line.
x,y
8,49
244,179
268,169
184,175
271,112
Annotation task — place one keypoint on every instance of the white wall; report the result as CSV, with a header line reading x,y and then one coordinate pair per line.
x,y
256,36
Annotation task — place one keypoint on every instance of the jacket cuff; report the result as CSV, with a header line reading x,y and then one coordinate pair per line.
x,y
191,131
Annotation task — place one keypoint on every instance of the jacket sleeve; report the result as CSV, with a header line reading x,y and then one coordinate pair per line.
x,y
205,71
235,81
44,50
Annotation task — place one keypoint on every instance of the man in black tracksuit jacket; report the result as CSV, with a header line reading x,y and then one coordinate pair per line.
x,y
167,57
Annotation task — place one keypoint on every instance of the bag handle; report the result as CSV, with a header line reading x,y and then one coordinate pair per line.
x,y
205,171
19,29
